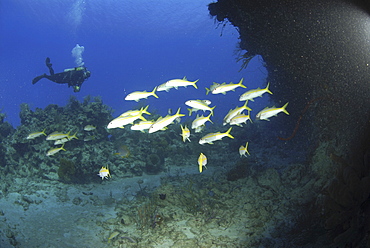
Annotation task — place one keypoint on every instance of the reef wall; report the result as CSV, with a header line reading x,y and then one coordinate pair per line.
x,y
317,55
314,51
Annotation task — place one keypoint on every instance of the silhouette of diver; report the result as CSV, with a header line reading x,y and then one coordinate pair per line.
x,y
73,77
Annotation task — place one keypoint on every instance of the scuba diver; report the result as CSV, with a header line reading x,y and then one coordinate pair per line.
x,y
73,77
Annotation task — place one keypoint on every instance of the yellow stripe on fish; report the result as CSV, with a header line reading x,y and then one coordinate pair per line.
x,y
138,95
121,121
57,135
200,121
175,83
163,122
200,104
251,94
239,119
185,133
243,150
223,88
36,134
142,125
211,137
53,151
267,113
136,111
202,161
234,112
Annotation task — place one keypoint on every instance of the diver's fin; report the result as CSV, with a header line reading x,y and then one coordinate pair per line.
x,y
47,62
49,65
38,78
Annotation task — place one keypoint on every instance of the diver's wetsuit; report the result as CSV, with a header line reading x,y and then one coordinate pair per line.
x,y
73,77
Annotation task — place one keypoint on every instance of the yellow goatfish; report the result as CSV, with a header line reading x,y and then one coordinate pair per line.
x,y
175,83
207,102
209,138
234,112
185,133
243,150
121,121
212,87
36,134
266,113
136,111
164,87
113,236
251,94
89,128
239,119
142,125
223,88
200,105
61,141
163,122
52,151
202,161
200,121
57,135
137,95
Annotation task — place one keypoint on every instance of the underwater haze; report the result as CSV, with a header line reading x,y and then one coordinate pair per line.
x,y
128,46
88,166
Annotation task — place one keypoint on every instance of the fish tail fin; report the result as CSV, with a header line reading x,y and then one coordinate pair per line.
x,y
284,108
43,132
228,133
178,113
246,107
190,111
209,117
212,109
72,136
153,92
142,118
194,83
241,83
144,111
207,91
267,88
62,147
250,119
246,148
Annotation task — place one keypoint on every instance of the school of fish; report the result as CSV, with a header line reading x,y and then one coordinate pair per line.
x,y
235,116
138,122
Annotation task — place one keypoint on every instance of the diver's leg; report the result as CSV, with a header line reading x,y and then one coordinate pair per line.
x,y
36,79
49,65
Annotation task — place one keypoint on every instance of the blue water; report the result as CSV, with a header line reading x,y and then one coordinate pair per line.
x,y
129,45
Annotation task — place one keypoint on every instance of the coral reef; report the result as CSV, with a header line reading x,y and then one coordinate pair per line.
x,y
347,203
